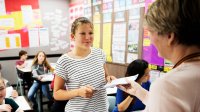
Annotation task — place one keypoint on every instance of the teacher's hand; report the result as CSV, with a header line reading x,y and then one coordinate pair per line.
x,y
132,87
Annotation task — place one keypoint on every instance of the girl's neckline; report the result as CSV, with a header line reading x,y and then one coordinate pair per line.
x,y
79,58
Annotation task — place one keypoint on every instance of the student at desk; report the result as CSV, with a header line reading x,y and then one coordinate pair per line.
x,y
40,67
7,104
9,89
21,64
126,102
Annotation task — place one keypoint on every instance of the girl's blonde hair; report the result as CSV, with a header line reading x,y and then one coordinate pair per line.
x,y
80,21
45,62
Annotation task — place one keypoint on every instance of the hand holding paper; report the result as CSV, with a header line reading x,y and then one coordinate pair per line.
x,y
120,81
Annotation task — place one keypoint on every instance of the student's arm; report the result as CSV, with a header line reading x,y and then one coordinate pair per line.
x,y
136,90
61,94
34,71
125,104
122,103
108,77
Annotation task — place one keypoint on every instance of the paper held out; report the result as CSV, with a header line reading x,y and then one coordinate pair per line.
x,y
120,81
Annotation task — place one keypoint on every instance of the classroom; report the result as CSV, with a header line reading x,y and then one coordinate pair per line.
x,y
99,55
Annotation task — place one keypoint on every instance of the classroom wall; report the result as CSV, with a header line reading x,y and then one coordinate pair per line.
x,y
117,70
46,6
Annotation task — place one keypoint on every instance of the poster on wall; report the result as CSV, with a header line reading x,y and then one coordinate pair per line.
x,y
59,24
119,5
133,35
107,6
96,42
87,11
10,41
119,16
2,7
119,42
96,2
97,14
18,19
33,34
131,57
134,13
75,10
27,14
107,41
107,17
150,53
134,4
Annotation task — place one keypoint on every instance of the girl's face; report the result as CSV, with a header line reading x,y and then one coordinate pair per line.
x,y
2,91
41,57
83,36
24,57
146,76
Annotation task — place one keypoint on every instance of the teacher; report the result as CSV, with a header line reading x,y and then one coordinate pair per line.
x,y
174,29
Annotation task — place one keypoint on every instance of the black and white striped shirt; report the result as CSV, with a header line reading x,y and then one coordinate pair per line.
x,y
81,72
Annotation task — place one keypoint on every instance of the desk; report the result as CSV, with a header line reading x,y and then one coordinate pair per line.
x,y
28,68
23,103
111,91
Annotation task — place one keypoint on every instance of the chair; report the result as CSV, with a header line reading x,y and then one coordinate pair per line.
x,y
24,81
19,83
111,100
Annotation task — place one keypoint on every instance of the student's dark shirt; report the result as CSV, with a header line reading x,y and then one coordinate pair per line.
x,y
12,103
138,105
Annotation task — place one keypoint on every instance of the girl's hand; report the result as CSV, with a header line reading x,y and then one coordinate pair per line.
x,y
5,107
39,77
109,78
86,91
14,94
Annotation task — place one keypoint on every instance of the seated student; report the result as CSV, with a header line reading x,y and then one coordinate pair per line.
x,y
21,64
9,89
126,102
7,104
40,68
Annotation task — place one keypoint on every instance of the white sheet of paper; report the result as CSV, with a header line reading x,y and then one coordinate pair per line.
x,y
47,78
9,91
120,81
22,102
2,7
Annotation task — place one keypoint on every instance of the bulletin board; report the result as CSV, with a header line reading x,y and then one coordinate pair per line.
x,y
34,25
117,28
